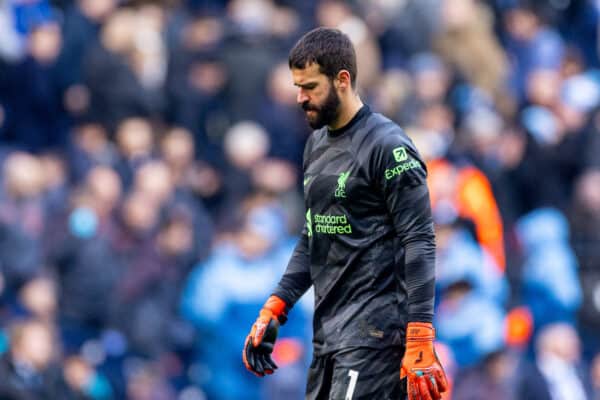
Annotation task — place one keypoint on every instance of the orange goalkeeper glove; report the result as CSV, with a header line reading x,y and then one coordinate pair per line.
x,y
261,340
426,379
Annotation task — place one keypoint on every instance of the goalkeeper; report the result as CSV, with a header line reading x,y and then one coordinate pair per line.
x,y
368,244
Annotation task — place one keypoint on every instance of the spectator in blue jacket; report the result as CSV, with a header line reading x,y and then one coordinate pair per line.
x,y
221,300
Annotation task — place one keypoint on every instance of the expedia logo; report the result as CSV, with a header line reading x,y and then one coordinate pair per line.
x,y
401,168
400,154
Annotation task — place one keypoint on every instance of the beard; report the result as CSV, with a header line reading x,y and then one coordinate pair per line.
x,y
325,113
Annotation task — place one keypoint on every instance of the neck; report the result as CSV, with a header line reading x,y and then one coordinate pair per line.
x,y
348,110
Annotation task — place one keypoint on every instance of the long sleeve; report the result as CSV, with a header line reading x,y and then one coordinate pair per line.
x,y
402,177
296,280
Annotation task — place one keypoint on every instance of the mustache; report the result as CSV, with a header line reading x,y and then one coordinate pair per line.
x,y
307,107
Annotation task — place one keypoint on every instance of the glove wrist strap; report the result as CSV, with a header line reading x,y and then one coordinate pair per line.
x,y
277,307
420,332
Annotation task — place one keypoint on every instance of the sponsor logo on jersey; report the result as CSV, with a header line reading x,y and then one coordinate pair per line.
x,y
400,154
328,224
401,168
340,191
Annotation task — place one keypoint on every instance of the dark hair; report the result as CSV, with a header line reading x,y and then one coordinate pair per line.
x,y
331,49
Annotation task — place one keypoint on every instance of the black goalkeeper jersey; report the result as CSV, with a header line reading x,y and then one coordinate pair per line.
x,y
368,242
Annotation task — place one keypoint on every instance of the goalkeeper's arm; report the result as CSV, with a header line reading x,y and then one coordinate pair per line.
x,y
261,340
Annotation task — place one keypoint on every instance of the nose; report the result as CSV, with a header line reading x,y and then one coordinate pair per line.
x,y
301,97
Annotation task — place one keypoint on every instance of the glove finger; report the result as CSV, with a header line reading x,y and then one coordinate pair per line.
x,y
269,363
244,354
423,388
259,363
255,362
265,364
251,361
433,388
440,378
411,387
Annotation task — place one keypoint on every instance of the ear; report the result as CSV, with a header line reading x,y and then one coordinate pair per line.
x,y
343,80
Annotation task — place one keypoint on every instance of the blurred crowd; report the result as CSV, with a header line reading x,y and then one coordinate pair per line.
x,y
150,190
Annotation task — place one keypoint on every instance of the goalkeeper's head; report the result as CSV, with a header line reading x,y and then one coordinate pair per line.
x,y
323,65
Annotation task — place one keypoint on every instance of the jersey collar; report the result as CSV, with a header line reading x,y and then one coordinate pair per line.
x,y
334,133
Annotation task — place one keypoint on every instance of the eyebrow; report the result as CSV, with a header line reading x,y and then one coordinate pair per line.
x,y
308,85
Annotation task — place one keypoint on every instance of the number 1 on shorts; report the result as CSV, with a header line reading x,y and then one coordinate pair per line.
x,y
352,385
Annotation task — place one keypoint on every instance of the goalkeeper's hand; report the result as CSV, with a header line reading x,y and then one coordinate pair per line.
x,y
426,379
259,343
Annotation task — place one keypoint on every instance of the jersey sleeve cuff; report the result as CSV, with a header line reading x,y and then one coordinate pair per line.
x,y
420,317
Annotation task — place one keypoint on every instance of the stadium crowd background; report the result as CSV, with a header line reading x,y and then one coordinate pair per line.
x,y
151,189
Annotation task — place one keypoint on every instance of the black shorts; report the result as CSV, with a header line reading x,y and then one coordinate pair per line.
x,y
357,374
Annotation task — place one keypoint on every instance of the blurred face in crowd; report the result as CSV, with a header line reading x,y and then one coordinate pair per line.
x,y
208,77
54,169
77,373
457,13
91,138
431,84
511,147
521,23
32,344
317,95
246,143
45,43
39,296
391,91
202,33
332,13
251,243
140,213
436,117
588,191
483,128
105,188
279,86
23,175
177,148
176,237
543,87
97,10
134,138
251,16
155,181
118,32
274,176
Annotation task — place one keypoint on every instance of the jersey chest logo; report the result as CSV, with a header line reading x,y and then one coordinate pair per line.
x,y
340,190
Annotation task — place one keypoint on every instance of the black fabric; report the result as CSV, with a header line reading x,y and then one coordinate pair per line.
x,y
364,110
357,374
25,383
368,245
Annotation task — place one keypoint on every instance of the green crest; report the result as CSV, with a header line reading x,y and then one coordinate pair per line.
x,y
340,191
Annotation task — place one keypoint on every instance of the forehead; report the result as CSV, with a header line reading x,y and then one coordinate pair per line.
x,y
310,73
